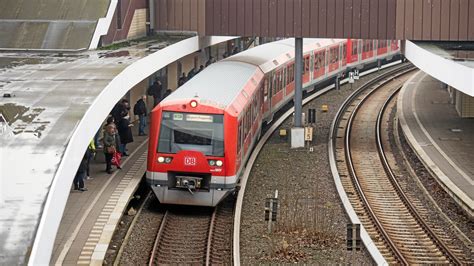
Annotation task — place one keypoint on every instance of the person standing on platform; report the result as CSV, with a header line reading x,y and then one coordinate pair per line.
x,y
125,133
91,154
201,68
182,80
120,109
110,146
140,110
81,173
155,91
191,73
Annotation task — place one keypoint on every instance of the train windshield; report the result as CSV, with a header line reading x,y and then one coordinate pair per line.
x,y
189,131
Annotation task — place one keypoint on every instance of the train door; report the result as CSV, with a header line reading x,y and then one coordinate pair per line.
x,y
306,68
277,94
359,49
344,54
239,144
333,58
290,78
311,67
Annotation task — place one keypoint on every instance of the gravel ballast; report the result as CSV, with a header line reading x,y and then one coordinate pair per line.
x,y
311,226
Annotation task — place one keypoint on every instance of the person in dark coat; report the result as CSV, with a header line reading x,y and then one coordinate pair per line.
x,y
81,173
125,133
155,91
191,73
209,61
120,109
182,80
201,68
140,110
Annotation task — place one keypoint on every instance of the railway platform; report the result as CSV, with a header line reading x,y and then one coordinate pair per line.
x,y
442,140
90,217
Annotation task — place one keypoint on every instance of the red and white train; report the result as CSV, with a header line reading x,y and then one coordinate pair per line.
x,y
202,134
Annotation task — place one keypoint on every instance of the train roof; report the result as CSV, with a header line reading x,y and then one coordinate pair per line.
x,y
265,55
220,82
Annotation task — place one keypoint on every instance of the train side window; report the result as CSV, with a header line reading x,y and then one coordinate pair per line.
x,y
344,51
280,80
265,88
255,105
239,137
315,63
274,83
354,47
275,88
292,72
270,84
306,64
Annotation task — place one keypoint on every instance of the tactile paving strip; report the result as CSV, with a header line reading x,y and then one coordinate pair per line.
x,y
94,249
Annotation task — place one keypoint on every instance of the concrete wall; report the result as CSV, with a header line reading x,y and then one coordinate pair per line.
x,y
464,104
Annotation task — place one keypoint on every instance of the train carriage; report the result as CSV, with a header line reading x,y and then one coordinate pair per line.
x,y
202,134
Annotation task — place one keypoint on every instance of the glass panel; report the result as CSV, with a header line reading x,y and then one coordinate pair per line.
x,y
188,131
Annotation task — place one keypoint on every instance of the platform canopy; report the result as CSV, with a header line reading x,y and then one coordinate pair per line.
x,y
449,62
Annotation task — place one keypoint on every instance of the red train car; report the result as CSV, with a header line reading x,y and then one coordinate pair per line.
x,y
202,134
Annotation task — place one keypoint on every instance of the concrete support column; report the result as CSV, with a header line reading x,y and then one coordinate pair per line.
x,y
152,15
297,132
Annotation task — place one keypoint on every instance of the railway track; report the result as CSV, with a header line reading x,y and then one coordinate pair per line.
x,y
393,223
192,235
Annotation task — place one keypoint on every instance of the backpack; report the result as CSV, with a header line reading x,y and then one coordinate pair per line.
x,y
135,109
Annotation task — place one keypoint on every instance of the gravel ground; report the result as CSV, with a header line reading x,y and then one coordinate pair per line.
x,y
138,248
311,224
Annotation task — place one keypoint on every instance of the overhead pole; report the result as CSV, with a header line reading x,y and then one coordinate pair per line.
x,y
151,10
297,132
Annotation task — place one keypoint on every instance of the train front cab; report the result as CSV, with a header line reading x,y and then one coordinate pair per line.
x,y
187,162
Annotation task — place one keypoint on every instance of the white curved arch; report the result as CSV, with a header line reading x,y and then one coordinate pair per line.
x,y
86,129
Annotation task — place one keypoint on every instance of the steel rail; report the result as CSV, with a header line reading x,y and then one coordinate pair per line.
x,y
347,152
388,170
209,237
157,239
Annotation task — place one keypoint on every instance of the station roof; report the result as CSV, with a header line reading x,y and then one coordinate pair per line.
x,y
43,98
449,62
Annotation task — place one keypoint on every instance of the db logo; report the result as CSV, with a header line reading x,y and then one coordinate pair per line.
x,y
189,161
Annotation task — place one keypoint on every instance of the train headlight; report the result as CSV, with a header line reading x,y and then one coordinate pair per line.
x,y
219,163
212,162
168,159
161,159
193,103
